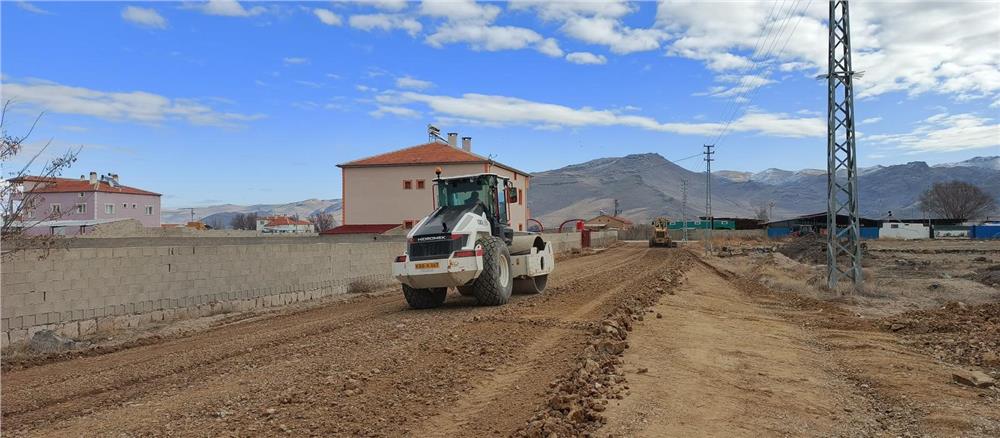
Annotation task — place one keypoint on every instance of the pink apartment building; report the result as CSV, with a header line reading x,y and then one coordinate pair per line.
x,y
83,202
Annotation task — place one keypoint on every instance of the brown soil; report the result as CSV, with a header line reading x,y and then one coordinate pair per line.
x,y
731,357
959,333
806,249
364,367
628,341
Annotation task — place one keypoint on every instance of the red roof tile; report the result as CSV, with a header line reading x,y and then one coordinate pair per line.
x,y
427,153
361,229
69,185
284,220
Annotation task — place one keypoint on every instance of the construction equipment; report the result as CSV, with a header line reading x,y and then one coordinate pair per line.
x,y
467,243
661,234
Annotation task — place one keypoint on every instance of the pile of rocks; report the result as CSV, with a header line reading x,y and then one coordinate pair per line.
x,y
578,400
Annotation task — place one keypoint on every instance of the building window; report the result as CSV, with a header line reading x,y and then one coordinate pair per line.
x,y
56,208
520,196
133,206
109,208
407,185
520,227
420,184
149,210
81,208
407,224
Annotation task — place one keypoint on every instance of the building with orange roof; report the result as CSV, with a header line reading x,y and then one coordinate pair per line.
x,y
88,200
397,187
284,224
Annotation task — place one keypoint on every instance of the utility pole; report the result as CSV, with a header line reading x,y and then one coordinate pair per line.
x,y
770,211
684,207
843,245
708,195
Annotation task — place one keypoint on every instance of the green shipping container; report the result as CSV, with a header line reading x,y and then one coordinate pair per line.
x,y
701,225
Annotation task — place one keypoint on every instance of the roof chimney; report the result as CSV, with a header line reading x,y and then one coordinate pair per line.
x,y
93,178
453,139
114,177
467,144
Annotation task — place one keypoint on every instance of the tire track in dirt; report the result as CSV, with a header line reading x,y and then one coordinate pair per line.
x,y
317,371
502,392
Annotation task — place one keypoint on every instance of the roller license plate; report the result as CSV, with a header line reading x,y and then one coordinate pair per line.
x,y
434,265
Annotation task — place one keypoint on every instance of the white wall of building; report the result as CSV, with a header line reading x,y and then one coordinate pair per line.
x,y
377,195
903,231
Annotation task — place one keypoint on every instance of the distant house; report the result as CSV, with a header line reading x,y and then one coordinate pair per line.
x,y
397,188
608,222
73,205
284,224
903,231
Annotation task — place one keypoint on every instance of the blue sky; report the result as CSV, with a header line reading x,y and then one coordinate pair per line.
x,y
257,102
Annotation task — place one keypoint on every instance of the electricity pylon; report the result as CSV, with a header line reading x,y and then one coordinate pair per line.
x,y
843,245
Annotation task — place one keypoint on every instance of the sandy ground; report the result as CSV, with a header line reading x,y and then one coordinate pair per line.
x,y
711,351
731,357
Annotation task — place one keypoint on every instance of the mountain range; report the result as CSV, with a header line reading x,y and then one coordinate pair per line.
x,y
648,185
223,214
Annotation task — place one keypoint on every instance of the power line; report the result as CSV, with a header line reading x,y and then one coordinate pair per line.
x,y
754,90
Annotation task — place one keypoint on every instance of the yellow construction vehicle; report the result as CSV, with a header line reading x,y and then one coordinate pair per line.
x,y
661,234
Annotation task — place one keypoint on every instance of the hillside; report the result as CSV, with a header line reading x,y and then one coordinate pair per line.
x,y
647,185
225,212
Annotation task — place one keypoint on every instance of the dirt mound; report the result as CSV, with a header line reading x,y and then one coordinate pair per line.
x,y
958,333
577,401
806,249
989,276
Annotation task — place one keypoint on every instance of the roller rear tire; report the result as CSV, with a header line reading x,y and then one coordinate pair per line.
x,y
424,298
495,284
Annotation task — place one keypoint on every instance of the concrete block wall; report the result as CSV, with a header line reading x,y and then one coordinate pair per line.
x,y
78,291
124,283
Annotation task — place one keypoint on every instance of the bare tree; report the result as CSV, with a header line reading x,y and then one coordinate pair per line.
x,y
323,221
243,221
20,192
957,200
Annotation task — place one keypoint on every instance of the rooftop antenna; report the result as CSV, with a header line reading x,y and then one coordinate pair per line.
x,y
434,134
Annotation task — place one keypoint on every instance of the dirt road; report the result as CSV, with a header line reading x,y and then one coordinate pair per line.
x,y
719,359
369,367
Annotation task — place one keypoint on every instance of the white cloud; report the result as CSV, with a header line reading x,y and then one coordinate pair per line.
x,y
413,83
147,17
295,60
137,106
229,8
489,38
30,7
460,10
912,47
400,111
871,120
945,133
597,23
739,86
610,32
386,5
327,17
550,47
472,23
385,22
586,58
503,110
